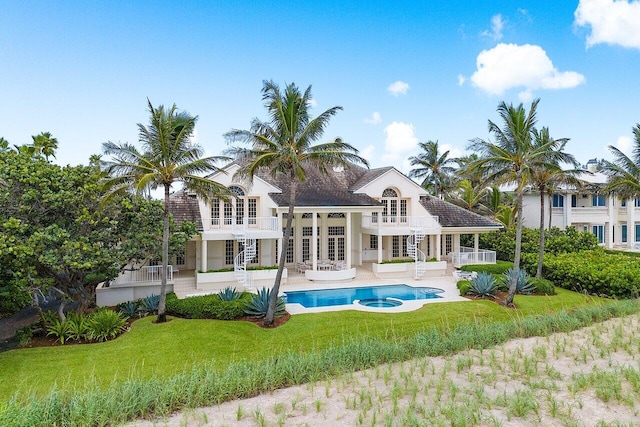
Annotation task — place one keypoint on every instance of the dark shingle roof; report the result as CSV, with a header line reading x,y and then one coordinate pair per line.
x,y
369,176
450,215
331,189
184,207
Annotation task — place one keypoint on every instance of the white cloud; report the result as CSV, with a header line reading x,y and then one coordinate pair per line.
x,y
508,66
461,79
313,102
367,152
497,24
374,119
453,151
611,21
398,88
400,140
625,144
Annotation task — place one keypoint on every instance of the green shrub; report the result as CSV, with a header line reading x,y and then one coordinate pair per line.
x,y
595,272
544,286
463,286
484,285
259,304
24,335
397,261
206,307
498,268
106,324
523,281
129,308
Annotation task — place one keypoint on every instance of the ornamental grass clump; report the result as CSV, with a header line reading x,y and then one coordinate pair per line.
x,y
484,285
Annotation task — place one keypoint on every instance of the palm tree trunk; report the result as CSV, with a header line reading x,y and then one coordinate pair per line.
x,y
162,317
516,259
541,244
273,297
550,209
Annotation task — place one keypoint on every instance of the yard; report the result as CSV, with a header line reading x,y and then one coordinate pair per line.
x,y
151,350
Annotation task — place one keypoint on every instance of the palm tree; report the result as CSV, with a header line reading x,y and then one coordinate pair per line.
x,y
548,173
44,144
469,197
624,171
283,145
168,156
433,168
510,160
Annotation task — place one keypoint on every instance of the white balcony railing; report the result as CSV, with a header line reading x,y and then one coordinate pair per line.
x,y
150,273
382,221
238,224
468,256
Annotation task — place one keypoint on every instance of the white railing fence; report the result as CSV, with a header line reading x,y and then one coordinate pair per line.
x,y
269,223
150,273
468,256
376,221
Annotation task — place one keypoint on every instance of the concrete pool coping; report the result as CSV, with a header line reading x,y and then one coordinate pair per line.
x,y
447,284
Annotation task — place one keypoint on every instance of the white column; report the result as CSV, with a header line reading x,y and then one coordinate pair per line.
x,y
203,256
567,210
438,246
476,242
314,240
631,223
379,245
324,231
348,239
610,223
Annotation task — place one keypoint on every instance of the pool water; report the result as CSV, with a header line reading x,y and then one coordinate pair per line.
x,y
370,296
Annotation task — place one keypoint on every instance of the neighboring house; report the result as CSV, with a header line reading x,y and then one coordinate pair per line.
x,y
612,220
345,219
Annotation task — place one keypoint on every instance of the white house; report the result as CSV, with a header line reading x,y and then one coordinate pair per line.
x,y
345,220
614,221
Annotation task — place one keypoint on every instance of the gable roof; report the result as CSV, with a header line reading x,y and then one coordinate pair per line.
x,y
184,207
450,215
369,176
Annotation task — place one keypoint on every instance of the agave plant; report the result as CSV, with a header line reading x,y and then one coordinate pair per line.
x,y
129,308
229,294
260,303
484,285
150,304
524,284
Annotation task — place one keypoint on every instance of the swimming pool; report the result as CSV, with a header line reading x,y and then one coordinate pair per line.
x,y
384,296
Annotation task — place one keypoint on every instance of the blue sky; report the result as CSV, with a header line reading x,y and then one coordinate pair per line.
x,y
405,72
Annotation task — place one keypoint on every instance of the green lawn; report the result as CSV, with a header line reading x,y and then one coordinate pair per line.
x,y
162,350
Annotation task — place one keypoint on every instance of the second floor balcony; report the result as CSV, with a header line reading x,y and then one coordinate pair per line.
x,y
393,224
240,224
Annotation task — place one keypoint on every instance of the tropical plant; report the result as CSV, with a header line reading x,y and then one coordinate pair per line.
x,y
44,144
106,324
483,285
510,160
507,216
433,167
260,304
548,174
78,327
59,329
150,303
168,156
229,294
624,171
469,197
129,308
283,146
524,284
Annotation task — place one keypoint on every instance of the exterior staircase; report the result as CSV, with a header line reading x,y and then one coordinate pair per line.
x,y
242,259
419,257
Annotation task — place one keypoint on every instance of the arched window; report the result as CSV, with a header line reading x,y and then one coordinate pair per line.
x,y
237,191
391,202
